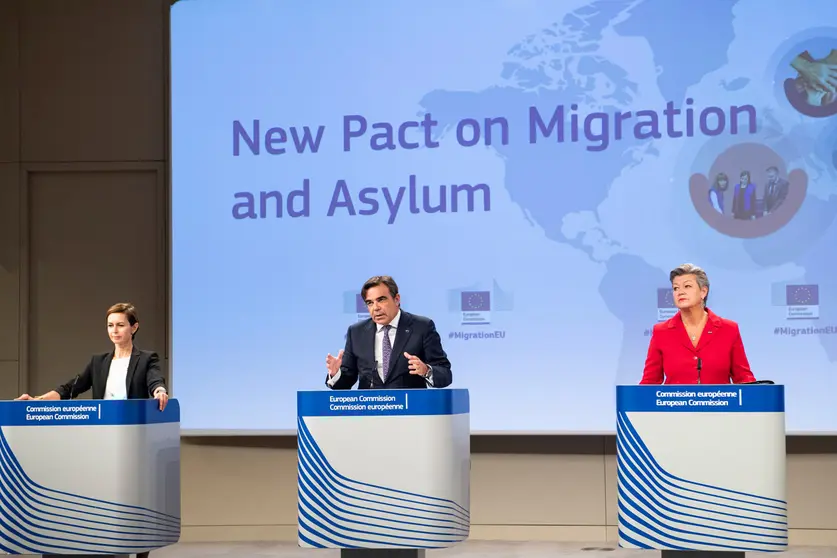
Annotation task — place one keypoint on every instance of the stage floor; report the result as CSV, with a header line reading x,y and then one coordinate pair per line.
x,y
475,549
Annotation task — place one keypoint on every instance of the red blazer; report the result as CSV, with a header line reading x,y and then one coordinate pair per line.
x,y
672,359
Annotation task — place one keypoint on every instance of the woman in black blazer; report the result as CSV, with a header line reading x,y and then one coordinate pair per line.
x,y
126,372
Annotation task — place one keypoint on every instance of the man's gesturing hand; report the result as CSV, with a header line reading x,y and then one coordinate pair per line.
x,y
415,365
333,363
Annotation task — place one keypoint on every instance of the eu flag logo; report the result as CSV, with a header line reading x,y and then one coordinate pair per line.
x,y
476,301
360,305
803,295
665,304
803,302
353,304
476,307
665,298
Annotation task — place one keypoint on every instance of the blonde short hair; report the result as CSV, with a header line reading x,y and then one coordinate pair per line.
x,y
691,269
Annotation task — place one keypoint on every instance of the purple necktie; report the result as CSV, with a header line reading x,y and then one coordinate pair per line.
x,y
387,351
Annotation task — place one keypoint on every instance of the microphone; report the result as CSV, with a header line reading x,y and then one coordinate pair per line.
x,y
73,386
366,375
699,365
374,375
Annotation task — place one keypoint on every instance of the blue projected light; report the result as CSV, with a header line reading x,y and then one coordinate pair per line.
x,y
527,172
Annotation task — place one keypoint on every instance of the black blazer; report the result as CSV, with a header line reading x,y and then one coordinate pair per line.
x,y
144,376
415,335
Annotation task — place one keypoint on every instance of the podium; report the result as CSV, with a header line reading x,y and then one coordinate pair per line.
x,y
701,468
383,472
89,477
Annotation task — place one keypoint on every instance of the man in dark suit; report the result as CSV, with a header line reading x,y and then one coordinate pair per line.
x,y
392,349
776,190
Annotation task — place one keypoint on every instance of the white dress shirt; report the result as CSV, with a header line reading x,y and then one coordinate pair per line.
x,y
116,387
379,352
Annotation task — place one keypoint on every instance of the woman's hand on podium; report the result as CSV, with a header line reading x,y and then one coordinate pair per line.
x,y
162,396
48,396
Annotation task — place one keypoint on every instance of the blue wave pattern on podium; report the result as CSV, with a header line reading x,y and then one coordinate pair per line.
x,y
35,519
338,512
658,510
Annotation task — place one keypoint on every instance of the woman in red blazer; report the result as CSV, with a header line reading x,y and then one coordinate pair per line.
x,y
695,346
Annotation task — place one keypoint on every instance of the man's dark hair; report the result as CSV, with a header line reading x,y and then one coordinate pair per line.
x,y
385,280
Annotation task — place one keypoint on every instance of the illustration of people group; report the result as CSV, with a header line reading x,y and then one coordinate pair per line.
x,y
745,201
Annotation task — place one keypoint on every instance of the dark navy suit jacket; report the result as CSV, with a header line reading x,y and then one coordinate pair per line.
x,y
415,335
